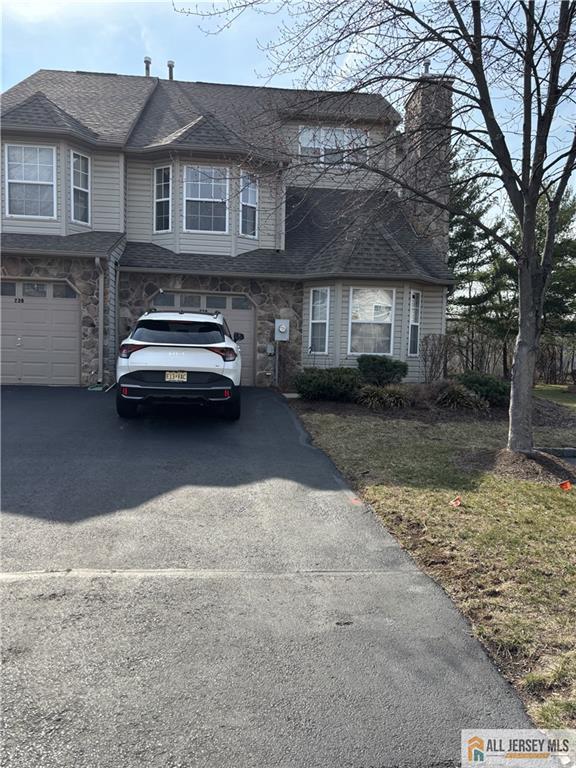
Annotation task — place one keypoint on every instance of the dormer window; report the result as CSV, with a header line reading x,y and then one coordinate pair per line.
x,y
31,181
248,204
334,146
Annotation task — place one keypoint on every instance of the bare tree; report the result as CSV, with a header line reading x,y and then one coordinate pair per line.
x,y
509,68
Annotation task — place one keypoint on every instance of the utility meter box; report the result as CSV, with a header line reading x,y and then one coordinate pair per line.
x,y
281,330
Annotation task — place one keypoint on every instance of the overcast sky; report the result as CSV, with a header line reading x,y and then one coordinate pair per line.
x,y
113,36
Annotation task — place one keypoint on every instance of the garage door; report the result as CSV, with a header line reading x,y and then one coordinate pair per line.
x,y
237,310
40,333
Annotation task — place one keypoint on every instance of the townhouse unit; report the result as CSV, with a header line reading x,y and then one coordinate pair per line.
x,y
125,193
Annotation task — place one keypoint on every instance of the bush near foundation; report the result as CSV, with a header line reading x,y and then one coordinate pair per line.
x,y
338,384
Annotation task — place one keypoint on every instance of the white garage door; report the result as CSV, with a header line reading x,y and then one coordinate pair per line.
x,y
237,310
40,333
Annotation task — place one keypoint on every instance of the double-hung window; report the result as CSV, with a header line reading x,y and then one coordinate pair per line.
x,y
371,321
80,188
333,145
205,199
415,313
30,181
248,204
319,313
162,198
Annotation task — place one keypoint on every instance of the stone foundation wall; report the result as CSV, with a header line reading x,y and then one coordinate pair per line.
x,y
82,273
272,299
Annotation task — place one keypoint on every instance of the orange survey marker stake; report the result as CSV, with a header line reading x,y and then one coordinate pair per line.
x,y
457,502
566,485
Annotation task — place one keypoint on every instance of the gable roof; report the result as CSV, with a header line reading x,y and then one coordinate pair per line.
x,y
144,113
329,233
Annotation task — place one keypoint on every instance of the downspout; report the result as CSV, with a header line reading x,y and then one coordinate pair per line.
x,y
100,320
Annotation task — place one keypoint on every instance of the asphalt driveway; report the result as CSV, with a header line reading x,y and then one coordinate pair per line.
x,y
181,591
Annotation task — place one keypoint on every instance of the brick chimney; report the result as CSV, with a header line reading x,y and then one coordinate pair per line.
x,y
427,128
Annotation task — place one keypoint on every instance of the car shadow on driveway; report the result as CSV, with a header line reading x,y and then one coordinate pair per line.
x,y
68,457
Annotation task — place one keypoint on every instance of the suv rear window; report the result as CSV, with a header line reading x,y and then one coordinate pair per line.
x,y
175,332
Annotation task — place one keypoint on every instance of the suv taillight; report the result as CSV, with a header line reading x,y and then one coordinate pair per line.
x,y
127,349
226,353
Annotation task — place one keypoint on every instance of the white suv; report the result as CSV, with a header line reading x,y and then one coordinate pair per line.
x,y
179,356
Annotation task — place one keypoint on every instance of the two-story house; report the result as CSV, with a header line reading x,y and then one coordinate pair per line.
x,y
124,193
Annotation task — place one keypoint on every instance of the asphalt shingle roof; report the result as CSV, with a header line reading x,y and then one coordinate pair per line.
x,y
328,233
83,243
39,110
108,105
144,113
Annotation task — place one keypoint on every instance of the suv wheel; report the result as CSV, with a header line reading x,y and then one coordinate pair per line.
x,y
124,408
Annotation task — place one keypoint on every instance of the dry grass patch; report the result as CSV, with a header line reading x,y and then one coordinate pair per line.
x,y
506,555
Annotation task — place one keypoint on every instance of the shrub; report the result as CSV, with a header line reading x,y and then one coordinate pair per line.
x,y
495,391
454,396
381,398
327,383
376,369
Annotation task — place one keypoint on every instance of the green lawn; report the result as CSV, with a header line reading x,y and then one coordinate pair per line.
x,y
506,555
558,393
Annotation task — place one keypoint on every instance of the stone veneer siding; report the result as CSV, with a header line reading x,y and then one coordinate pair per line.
x,y
272,298
82,273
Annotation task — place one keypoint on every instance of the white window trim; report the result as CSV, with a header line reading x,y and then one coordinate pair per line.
x,y
205,200
369,287
410,323
73,187
243,234
161,200
311,322
54,184
321,156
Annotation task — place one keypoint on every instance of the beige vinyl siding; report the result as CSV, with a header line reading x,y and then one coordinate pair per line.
x,y
140,211
107,191
26,224
433,320
320,175
269,200
317,360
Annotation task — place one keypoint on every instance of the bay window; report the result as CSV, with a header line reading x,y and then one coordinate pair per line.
x,y
334,146
319,314
31,181
205,199
162,198
414,331
248,204
371,321
80,180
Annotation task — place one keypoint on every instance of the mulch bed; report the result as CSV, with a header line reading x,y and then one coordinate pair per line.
x,y
537,466
545,413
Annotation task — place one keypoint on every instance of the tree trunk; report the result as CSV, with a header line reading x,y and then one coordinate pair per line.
x,y
505,371
530,297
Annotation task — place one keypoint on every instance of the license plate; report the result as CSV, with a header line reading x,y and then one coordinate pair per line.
x,y
176,376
